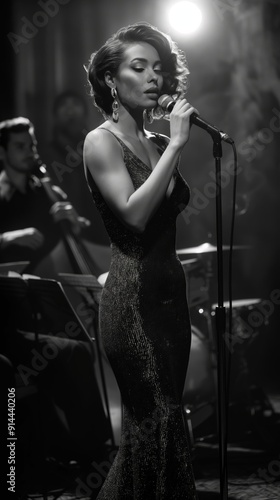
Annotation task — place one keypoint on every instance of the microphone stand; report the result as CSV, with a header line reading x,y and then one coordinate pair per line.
x,y
167,103
220,320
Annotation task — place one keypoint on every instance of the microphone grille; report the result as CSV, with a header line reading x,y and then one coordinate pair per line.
x,y
164,100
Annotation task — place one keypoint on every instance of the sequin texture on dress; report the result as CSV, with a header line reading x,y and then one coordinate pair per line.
x,y
146,333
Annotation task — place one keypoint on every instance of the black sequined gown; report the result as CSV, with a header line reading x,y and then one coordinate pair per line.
x,y
146,333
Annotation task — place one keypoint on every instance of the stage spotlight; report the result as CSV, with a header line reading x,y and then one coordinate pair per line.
x,y
185,17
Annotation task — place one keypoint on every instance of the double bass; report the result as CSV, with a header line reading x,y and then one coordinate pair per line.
x,y
82,263
84,257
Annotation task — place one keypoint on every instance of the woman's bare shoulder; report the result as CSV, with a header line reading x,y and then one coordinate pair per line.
x,y
101,141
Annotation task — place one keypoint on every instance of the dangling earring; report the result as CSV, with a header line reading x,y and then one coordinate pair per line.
x,y
149,115
115,105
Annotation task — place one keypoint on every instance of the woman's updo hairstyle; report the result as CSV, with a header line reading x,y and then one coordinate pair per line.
x,y
110,56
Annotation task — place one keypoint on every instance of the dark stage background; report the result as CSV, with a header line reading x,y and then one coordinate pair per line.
x,y
234,83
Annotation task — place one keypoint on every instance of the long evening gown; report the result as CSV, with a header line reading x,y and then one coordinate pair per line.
x,y
145,328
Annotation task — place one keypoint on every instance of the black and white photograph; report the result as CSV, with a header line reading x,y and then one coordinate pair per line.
x,y
139,250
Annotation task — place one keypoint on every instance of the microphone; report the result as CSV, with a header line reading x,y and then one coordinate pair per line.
x,y
167,103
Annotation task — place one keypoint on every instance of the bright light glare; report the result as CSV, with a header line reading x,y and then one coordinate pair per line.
x,y
185,17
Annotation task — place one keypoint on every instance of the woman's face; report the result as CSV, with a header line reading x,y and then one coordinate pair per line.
x,y
139,78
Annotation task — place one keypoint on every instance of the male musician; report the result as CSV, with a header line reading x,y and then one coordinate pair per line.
x,y
28,226
28,232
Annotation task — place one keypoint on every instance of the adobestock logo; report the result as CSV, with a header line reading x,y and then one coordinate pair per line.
x,y
257,142
248,150
247,329
47,351
223,7
269,474
73,159
40,19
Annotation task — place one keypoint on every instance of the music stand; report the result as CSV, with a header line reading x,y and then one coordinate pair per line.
x,y
42,306
17,267
90,289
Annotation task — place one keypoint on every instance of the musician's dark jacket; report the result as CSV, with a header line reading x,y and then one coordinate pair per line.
x,y
32,209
